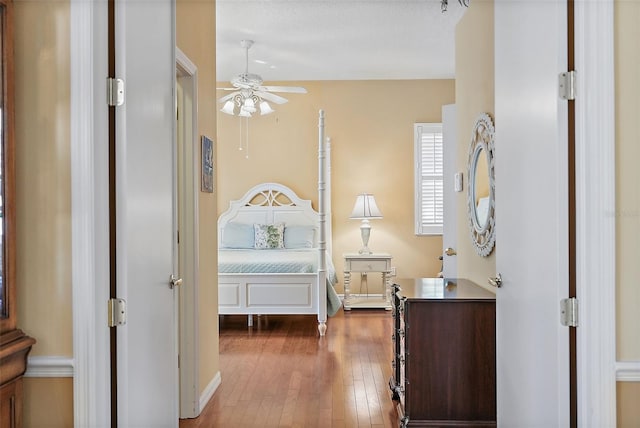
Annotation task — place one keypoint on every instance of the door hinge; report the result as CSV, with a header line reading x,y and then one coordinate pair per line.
x,y
117,312
115,92
569,312
567,85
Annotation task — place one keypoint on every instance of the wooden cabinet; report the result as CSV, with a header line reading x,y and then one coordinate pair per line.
x,y
444,353
14,344
13,360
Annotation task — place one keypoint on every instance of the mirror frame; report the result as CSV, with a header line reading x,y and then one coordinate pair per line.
x,y
7,145
483,237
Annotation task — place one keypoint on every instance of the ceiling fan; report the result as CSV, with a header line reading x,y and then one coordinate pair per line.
x,y
249,93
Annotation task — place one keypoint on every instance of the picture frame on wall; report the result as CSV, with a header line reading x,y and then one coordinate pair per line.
x,y
207,165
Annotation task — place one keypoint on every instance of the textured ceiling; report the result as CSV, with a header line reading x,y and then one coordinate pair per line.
x,y
337,40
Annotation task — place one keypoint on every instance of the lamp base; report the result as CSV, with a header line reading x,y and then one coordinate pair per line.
x,y
365,232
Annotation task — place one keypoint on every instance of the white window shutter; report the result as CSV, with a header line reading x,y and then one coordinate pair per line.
x,y
429,178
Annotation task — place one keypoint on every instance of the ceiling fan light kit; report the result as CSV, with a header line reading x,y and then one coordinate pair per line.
x,y
248,92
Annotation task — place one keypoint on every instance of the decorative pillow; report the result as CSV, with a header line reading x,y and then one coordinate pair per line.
x,y
238,235
269,236
299,236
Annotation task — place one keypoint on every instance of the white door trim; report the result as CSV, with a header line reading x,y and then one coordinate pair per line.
x,y
89,213
595,208
187,73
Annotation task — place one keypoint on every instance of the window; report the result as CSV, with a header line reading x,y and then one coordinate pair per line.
x,y
429,190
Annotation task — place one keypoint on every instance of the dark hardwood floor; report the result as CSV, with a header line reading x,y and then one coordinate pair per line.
x,y
280,373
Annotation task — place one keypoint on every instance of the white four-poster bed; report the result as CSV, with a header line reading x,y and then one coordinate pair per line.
x,y
294,275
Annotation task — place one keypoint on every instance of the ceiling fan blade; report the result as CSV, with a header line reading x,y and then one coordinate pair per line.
x,y
228,97
290,89
271,97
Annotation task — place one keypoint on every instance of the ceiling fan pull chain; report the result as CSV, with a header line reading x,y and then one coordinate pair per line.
x,y
246,58
247,135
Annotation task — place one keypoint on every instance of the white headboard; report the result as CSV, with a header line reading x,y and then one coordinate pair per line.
x,y
269,203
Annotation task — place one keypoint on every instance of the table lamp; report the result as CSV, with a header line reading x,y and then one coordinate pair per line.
x,y
365,209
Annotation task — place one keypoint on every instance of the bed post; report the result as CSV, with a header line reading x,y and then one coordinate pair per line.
x,y
327,192
322,241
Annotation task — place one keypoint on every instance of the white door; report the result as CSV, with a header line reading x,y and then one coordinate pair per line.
x,y
449,229
147,365
531,214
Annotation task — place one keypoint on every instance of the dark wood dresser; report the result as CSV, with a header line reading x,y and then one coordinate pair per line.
x,y
444,364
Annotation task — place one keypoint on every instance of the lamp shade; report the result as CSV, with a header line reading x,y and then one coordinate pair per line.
x,y
228,107
265,108
365,208
249,105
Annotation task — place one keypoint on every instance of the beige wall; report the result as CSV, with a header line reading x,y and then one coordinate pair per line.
x,y
43,202
474,95
48,403
627,65
195,33
371,127
43,176
627,404
628,176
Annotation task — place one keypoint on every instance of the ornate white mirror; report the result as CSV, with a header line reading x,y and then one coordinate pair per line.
x,y
481,189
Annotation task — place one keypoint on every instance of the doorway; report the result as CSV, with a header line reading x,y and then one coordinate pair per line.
x,y
186,241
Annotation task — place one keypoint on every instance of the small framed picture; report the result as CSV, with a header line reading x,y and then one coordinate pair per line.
x,y
207,164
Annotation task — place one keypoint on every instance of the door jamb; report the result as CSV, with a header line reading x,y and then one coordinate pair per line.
x,y
89,213
595,205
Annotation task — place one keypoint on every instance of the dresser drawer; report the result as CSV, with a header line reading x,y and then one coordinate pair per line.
x,y
369,266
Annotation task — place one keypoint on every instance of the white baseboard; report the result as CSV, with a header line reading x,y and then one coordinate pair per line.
x,y
210,390
49,366
628,371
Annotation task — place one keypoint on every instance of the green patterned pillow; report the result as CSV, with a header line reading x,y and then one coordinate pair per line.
x,y
269,236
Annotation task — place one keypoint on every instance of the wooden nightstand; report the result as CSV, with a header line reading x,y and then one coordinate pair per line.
x,y
365,264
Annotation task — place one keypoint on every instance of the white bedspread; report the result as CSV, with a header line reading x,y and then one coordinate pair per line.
x,y
271,261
